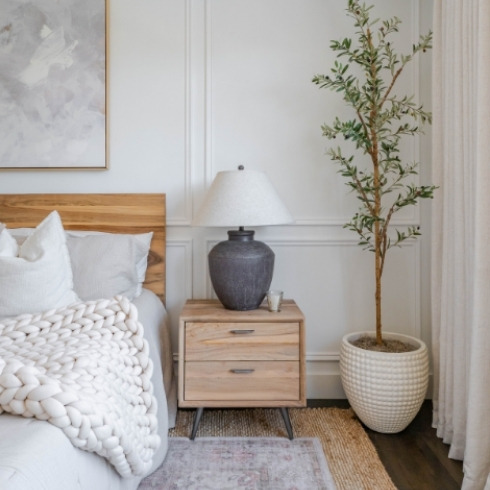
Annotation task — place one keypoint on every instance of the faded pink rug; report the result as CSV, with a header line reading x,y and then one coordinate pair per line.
x,y
237,463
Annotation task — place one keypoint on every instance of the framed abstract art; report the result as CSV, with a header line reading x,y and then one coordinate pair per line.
x,y
53,97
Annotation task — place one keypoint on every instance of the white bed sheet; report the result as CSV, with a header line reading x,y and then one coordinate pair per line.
x,y
35,455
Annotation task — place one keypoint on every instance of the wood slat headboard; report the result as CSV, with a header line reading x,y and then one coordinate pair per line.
x,y
113,213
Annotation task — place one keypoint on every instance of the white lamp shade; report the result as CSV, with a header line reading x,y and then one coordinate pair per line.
x,y
242,198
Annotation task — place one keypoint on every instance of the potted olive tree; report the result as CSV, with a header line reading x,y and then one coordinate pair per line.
x,y
378,370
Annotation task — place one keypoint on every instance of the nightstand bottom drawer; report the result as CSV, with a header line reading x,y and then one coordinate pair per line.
x,y
242,380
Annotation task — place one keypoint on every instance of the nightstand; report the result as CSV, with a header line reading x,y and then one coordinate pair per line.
x,y
231,358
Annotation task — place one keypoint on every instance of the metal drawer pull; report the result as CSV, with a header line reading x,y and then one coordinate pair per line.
x,y
241,332
242,371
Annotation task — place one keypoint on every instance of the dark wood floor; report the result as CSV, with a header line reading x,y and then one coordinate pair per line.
x,y
416,459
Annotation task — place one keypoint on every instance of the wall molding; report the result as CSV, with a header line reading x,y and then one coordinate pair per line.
x,y
340,221
208,160
323,356
199,152
187,245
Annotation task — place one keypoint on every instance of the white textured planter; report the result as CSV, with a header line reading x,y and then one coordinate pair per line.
x,y
384,389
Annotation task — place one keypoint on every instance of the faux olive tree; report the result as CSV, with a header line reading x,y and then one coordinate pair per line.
x,y
365,74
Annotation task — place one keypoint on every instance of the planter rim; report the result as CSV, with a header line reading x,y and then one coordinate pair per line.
x,y
346,339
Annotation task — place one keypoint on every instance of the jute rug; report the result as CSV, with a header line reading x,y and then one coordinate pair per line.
x,y
351,456
242,463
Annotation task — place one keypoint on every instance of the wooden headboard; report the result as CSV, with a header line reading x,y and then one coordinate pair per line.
x,y
113,213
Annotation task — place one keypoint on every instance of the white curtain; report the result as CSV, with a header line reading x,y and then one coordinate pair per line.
x,y
461,234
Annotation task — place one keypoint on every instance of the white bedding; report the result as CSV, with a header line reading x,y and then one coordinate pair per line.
x,y
36,455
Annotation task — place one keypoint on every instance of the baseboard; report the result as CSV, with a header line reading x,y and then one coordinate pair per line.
x,y
324,386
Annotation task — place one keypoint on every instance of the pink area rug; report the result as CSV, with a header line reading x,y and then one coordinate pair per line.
x,y
237,463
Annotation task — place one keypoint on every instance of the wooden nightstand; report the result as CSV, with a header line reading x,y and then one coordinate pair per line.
x,y
232,358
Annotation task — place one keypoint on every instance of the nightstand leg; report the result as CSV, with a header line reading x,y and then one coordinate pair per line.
x,y
197,419
287,421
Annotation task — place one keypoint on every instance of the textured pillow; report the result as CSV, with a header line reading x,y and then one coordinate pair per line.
x,y
37,276
107,264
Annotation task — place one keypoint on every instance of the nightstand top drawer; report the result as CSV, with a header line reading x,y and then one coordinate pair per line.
x,y
234,341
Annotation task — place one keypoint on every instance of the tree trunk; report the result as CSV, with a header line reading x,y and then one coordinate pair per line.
x,y
379,337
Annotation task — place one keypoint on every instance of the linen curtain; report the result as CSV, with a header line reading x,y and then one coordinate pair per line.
x,y
461,234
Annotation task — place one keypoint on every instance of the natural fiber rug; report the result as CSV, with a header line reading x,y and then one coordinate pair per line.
x,y
351,456
238,463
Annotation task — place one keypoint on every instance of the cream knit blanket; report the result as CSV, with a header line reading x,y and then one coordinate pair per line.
x,y
85,369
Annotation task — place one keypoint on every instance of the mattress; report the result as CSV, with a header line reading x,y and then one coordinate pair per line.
x,y
35,455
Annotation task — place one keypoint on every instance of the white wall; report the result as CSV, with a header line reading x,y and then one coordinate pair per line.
x,y
199,86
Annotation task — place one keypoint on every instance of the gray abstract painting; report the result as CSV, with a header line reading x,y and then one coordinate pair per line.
x,y
52,83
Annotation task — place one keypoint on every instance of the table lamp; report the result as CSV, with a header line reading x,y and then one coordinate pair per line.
x,y
241,268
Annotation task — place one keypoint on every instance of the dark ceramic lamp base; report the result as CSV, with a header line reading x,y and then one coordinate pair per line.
x,y
241,270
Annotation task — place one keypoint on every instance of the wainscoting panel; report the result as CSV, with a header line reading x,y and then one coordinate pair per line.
x,y
332,280
262,109
337,293
179,280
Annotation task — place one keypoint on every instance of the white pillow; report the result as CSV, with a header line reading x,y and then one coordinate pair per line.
x,y
103,267
107,264
39,276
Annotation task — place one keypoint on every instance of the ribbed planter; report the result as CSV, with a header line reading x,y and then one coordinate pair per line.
x,y
384,389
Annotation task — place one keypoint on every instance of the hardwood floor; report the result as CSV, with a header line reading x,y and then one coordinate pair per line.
x,y
416,459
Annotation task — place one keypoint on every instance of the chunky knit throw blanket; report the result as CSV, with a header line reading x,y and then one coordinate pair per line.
x,y
85,369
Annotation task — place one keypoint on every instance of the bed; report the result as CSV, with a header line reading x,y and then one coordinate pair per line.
x,y
35,454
